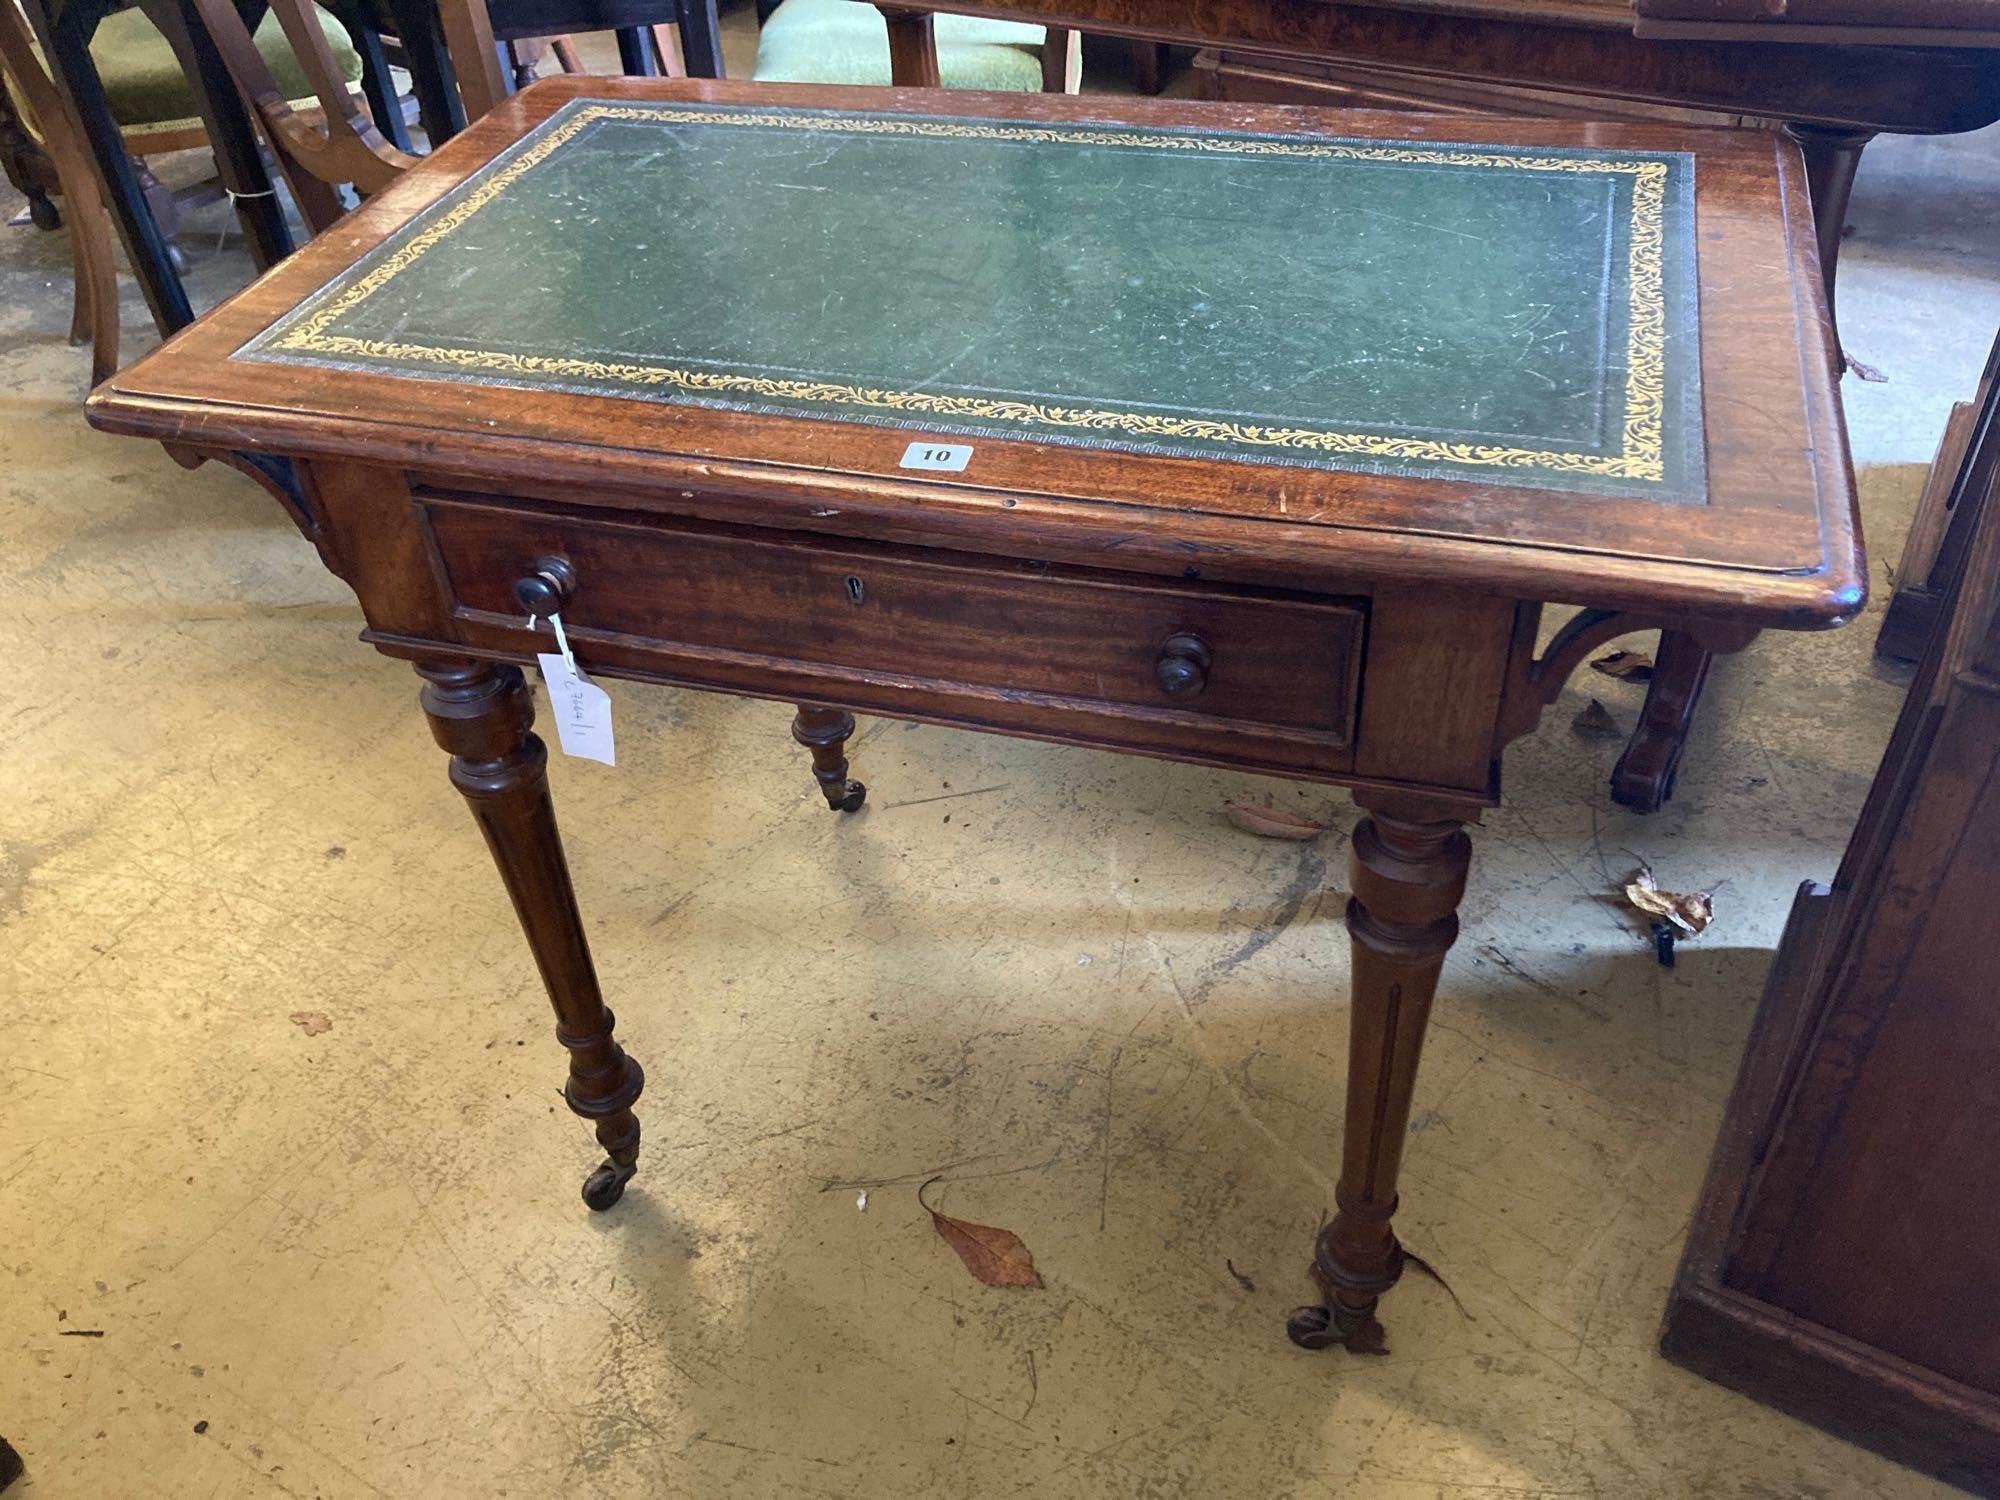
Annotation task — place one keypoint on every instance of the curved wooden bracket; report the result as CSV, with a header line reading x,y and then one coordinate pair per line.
x,y
279,476
1534,682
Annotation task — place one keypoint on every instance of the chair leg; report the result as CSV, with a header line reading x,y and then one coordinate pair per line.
x,y
824,731
1149,71
519,59
667,42
635,53
166,211
72,68
440,109
232,135
701,38
379,88
1832,157
42,210
95,316
1643,779
26,167
1062,60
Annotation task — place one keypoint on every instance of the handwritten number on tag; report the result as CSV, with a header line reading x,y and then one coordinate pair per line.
x,y
582,710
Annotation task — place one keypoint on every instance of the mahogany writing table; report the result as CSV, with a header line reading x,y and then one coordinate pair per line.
x,y
1278,429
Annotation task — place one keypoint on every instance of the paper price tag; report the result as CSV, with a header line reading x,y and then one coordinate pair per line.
x,y
582,709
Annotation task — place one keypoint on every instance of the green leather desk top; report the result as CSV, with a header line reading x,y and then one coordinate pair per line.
x,y
1522,316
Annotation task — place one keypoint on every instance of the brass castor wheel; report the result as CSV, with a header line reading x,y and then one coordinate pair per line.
x,y
605,1186
1324,1327
851,801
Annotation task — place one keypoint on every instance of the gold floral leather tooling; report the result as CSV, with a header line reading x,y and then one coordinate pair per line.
x,y
1517,316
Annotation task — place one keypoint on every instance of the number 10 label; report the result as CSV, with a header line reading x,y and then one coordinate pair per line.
x,y
951,457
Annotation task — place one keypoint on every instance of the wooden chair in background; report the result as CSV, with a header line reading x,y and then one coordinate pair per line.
x,y
339,144
965,59
316,157
848,41
157,111
45,113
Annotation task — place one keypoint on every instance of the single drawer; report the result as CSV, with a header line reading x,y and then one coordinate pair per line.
x,y
1123,659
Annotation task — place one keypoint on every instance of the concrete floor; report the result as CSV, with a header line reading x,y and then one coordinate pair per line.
x,y
281,1120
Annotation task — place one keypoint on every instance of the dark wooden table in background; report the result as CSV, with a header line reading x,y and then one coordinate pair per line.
x,y
1834,72
1130,577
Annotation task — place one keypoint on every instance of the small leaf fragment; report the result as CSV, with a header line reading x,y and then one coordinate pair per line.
x,y
1865,372
1690,913
1272,822
312,1022
995,1257
1369,1338
1596,723
1628,666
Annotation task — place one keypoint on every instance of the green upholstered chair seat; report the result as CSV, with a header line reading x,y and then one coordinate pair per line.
x,y
847,41
146,86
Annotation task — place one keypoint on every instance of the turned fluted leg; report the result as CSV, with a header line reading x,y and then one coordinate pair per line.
x,y
481,713
825,731
1407,872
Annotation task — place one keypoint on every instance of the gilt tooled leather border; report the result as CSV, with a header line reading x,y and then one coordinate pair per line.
x,y
308,330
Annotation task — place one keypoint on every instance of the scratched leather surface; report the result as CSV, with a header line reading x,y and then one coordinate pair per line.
x,y
1489,314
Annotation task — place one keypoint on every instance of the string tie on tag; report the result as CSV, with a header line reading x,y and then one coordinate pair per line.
x,y
562,644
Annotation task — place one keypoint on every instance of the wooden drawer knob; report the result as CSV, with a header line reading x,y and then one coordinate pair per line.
x,y
1182,669
545,590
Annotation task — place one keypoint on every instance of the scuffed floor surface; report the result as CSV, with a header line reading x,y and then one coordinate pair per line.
x,y
288,1200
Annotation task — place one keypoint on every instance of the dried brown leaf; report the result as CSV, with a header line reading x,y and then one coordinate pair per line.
x,y
1628,666
1866,372
312,1022
995,1257
1596,723
1272,822
1691,912
1369,1338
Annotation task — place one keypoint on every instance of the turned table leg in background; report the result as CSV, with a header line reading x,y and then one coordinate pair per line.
x,y
1407,872
1643,779
481,713
1832,157
825,731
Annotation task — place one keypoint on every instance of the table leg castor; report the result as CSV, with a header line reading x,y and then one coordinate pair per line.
x,y
1324,1327
604,1187
824,731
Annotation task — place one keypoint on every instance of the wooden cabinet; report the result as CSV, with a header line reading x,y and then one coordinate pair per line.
x,y
1844,1263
